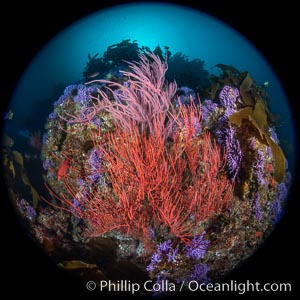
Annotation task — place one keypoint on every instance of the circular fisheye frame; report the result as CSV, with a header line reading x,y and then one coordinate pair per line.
x,y
148,151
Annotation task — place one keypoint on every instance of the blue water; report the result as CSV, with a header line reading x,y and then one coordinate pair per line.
x,y
195,34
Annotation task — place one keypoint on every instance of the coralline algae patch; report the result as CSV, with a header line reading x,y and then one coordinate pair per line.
x,y
148,179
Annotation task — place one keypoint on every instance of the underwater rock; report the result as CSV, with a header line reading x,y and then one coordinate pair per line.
x,y
142,180
113,190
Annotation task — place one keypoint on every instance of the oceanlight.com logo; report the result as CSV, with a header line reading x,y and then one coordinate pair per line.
x,y
239,287
192,286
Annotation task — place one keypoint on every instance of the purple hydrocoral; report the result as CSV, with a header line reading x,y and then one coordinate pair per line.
x,y
81,95
186,95
225,133
225,138
198,247
97,122
76,206
252,143
234,158
273,135
258,168
52,115
155,259
95,159
172,255
48,164
166,258
95,166
27,210
152,233
31,213
45,137
93,89
195,124
208,109
228,112
275,206
68,91
258,211
269,153
165,246
229,97
199,273
164,251
81,182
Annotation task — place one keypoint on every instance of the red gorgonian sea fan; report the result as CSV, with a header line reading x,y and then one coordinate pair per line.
x,y
158,168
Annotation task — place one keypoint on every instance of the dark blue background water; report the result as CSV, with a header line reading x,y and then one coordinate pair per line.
x,y
195,34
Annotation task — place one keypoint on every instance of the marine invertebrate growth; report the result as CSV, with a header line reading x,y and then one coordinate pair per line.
x,y
179,186
156,168
145,99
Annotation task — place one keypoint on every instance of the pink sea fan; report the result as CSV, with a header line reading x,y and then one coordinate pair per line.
x,y
146,99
